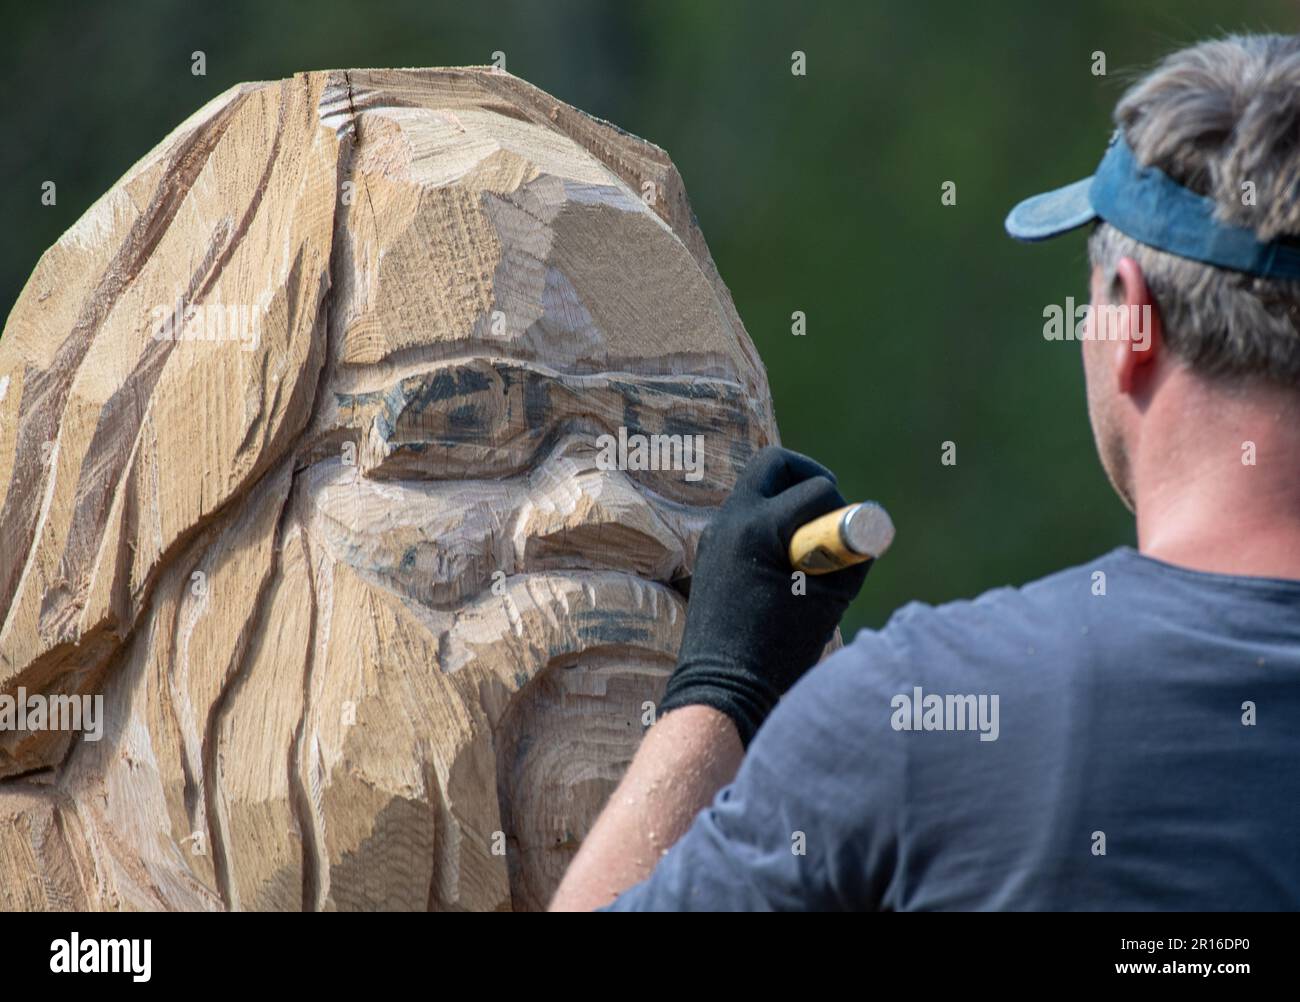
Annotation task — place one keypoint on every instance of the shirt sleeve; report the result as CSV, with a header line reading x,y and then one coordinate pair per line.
x,y
809,822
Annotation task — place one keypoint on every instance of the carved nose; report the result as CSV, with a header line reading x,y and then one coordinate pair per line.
x,y
602,519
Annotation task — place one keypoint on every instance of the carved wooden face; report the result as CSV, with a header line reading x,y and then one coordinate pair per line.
x,y
416,625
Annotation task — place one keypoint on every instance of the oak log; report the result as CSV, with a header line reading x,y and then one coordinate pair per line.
x,y
299,471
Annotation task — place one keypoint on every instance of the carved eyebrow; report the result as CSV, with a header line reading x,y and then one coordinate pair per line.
x,y
469,417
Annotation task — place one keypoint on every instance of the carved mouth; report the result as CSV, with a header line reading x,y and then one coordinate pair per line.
x,y
559,617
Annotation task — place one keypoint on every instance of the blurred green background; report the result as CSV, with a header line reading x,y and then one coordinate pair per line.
x,y
818,193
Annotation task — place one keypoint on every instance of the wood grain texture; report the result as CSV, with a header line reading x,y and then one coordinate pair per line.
x,y
373,627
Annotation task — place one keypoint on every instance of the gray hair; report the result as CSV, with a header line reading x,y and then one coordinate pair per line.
x,y
1223,119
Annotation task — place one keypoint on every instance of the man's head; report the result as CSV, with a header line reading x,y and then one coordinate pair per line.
x,y
1194,288
1223,119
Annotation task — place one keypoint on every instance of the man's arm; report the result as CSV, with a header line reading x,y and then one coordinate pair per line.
x,y
686,757
749,636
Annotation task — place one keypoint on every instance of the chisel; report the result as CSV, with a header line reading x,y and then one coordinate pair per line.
x,y
841,538
836,540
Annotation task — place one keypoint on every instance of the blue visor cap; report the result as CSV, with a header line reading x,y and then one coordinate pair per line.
x,y
1149,206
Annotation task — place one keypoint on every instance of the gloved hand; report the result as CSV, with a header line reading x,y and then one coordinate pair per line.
x,y
748,636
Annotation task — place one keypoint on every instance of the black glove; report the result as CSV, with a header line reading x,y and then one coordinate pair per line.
x,y
748,636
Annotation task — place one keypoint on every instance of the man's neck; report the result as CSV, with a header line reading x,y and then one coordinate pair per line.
x,y
1217,482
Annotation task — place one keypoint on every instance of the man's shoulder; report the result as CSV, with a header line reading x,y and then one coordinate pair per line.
x,y
1003,625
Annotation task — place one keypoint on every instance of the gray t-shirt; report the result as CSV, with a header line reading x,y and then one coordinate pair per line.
x,y
1143,752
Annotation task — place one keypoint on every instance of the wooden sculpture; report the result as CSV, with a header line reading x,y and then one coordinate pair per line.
x,y
300,471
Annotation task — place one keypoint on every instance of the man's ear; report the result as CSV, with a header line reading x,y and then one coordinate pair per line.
x,y
1140,334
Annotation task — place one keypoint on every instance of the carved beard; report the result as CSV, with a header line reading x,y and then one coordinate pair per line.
x,y
548,587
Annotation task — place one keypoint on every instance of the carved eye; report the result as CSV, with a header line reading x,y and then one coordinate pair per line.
x,y
491,419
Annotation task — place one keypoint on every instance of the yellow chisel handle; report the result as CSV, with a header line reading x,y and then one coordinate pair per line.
x,y
841,538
